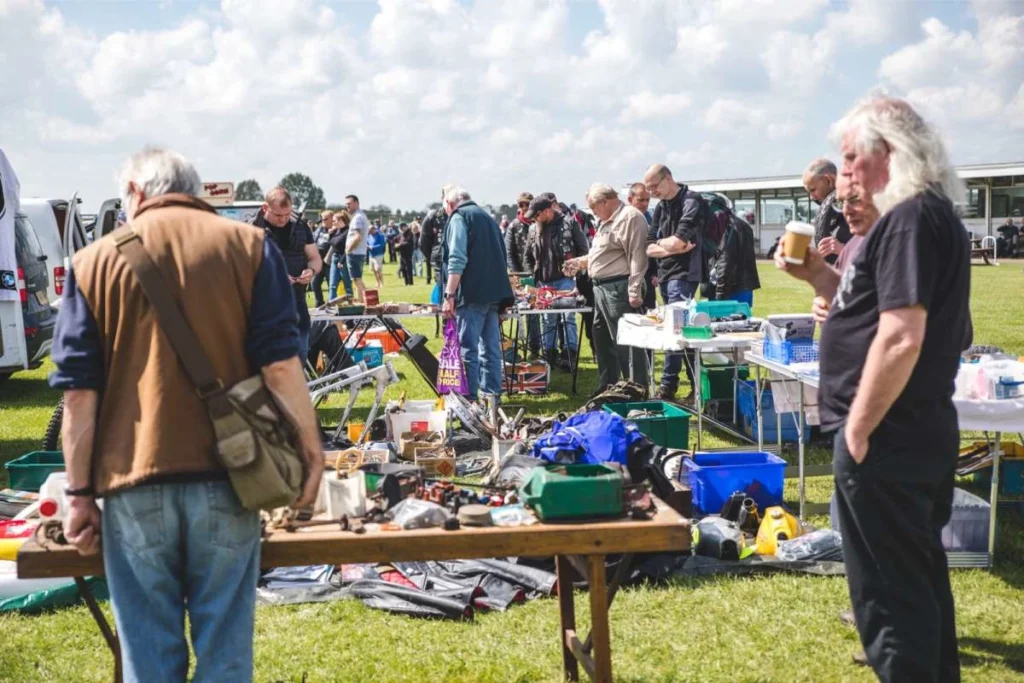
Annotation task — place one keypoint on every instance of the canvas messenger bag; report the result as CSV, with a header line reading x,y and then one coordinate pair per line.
x,y
254,442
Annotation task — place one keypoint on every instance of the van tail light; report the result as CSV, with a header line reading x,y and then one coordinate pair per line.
x,y
58,279
31,332
22,290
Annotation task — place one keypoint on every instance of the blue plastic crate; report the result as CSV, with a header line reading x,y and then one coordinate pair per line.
x,y
790,352
713,477
746,408
372,354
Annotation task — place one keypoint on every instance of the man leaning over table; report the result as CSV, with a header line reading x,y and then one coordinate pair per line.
x,y
175,538
617,265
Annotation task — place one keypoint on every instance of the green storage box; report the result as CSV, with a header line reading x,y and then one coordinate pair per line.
x,y
671,429
698,332
564,492
722,309
716,383
28,472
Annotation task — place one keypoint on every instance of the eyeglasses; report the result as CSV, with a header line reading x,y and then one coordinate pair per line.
x,y
854,201
524,205
654,186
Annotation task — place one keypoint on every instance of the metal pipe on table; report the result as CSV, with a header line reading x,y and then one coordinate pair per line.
x,y
760,415
698,404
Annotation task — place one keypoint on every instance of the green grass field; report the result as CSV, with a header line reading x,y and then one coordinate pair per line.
x,y
770,628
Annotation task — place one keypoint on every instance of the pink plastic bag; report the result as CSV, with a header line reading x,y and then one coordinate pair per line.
x,y
451,373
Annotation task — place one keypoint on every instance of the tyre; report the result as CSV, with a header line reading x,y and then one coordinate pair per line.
x,y
51,442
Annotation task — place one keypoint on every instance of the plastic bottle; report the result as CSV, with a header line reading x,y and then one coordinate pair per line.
x,y
777,525
53,504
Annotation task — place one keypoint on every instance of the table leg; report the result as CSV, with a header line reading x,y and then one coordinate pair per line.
x,y
600,631
800,446
579,350
101,621
735,380
760,415
697,400
997,451
621,574
778,419
510,376
567,612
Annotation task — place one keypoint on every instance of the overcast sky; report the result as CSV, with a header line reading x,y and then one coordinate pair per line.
x,y
391,99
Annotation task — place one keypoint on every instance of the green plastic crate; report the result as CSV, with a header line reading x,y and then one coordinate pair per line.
x,y
564,492
28,472
722,309
716,383
671,430
698,332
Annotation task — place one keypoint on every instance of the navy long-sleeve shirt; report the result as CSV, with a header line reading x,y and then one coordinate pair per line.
x,y
272,333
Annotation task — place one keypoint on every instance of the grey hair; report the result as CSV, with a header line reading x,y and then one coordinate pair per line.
x,y
599,191
917,156
635,188
820,167
156,172
456,194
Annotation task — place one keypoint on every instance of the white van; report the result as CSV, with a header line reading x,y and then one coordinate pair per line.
x,y
58,225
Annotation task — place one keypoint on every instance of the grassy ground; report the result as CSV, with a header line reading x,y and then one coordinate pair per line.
x,y
774,628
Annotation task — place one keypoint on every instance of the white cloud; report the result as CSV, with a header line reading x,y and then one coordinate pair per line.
x,y
648,105
500,96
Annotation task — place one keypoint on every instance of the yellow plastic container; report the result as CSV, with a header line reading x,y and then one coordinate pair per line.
x,y
354,430
777,525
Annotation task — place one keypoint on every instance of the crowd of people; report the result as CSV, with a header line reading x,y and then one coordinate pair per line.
x,y
890,275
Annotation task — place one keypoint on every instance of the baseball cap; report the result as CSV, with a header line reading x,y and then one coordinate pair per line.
x,y
524,198
537,205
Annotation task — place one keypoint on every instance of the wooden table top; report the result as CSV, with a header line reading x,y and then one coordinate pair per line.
x,y
667,531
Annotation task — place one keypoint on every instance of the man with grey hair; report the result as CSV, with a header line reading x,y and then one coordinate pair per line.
x,y
830,229
476,289
640,199
175,537
616,263
890,351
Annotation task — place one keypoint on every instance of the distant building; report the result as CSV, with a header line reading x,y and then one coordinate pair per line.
x,y
994,192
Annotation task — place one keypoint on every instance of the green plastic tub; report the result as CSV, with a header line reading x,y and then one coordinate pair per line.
x,y
702,332
28,472
567,492
671,429
716,383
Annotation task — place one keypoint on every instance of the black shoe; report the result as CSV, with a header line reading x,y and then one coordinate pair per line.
x,y
665,394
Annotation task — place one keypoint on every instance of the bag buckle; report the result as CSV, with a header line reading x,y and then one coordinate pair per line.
x,y
210,389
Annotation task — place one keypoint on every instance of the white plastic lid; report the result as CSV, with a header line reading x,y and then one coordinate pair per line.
x,y
800,228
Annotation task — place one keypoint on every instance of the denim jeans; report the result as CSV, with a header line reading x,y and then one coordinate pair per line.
x,y
480,339
339,272
304,322
417,262
551,319
671,292
172,548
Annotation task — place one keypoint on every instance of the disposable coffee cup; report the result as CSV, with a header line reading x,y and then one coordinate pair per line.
x,y
796,242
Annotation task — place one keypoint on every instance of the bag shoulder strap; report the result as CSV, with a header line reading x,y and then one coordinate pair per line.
x,y
183,340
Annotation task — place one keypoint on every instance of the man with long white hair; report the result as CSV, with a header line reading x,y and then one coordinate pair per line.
x,y
890,351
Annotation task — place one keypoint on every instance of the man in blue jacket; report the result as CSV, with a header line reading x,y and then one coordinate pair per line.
x,y
476,288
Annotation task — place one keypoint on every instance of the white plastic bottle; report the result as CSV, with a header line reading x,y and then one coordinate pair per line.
x,y
53,504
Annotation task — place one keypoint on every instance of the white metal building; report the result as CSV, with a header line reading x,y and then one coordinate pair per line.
x,y
994,192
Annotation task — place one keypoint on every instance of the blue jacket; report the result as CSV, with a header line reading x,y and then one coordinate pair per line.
x,y
376,243
473,247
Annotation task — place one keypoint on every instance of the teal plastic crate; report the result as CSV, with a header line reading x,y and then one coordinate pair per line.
x,y
1011,476
717,310
28,472
671,429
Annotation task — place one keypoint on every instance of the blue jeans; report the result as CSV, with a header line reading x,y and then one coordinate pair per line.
x,y
339,272
480,339
551,319
671,292
418,261
355,266
172,547
744,297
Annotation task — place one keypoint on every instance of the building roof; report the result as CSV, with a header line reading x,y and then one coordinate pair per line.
x,y
1000,170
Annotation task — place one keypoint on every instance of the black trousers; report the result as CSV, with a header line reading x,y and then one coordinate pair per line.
x,y
892,508
585,287
318,281
405,268
391,251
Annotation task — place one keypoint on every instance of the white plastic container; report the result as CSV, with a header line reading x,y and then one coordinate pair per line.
x,y
345,496
431,421
53,504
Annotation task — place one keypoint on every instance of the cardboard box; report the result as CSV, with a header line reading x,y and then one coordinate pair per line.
x,y
430,421
676,317
529,378
408,442
435,462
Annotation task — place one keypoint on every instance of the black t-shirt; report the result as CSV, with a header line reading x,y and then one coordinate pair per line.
x,y
683,216
916,254
292,240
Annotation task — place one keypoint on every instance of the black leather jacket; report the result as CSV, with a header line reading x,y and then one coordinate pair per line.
x,y
736,263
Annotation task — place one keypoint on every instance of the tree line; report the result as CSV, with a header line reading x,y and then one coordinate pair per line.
x,y
305,191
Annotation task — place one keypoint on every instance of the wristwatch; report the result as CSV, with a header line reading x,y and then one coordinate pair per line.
x,y
449,296
84,492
